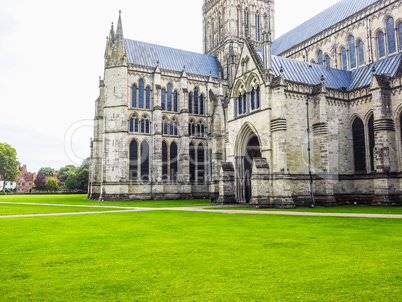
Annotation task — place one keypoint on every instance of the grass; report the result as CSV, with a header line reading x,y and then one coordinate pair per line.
x,y
339,209
193,256
81,200
19,209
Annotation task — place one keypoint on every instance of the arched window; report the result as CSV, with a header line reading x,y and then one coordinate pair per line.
x,y
169,97
134,96
190,102
359,147
257,27
360,49
240,104
200,163
145,126
175,126
245,22
192,161
381,45
391,36
371,141
163,99
164,126
202,104
134,124
352,52
195,100
141,94
320,59
327,61
244,103
148,98
173,162
145,161
133,170
344,59
164,161
258,97
175,101
253,100
400,35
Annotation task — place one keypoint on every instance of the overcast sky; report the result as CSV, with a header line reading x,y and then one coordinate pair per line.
x,y
51,57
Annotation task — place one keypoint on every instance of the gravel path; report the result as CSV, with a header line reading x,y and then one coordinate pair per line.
x,y
190,209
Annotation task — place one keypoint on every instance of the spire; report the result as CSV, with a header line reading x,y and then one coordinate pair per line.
x,y
119,30
116,49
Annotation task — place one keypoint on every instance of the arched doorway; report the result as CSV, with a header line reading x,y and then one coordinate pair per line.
x,y
247,148
252,150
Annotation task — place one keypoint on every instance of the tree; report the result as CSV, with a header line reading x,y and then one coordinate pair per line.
x,y
82,180
64,171
52,185
8,163
71,181
40,182
85,164
47,171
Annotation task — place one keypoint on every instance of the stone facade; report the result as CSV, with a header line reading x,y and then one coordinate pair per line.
x,y
254,128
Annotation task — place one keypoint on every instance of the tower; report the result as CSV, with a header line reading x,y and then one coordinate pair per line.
x,y
228,23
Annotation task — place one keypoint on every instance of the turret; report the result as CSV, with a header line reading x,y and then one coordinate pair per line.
x,y
115,54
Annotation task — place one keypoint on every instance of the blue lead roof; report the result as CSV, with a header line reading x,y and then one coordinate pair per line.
x,y
145,54
307,73
324,20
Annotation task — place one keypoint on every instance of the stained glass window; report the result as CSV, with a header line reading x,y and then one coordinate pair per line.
x,y
391,36
145,161
133,171
134,96
359,147
381,45
361,53
141,94
173,161
352,52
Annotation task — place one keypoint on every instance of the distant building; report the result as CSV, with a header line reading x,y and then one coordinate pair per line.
x,y
25,181
9,185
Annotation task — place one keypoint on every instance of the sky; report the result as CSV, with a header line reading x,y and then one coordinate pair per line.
x,y
51,58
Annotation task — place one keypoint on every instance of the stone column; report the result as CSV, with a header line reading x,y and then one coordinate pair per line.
x,y
384,138
227,184
260,184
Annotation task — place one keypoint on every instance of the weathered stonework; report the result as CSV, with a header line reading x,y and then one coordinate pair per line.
x,y
266,133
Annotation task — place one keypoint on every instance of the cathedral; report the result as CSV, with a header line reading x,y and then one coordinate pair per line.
x,y
313,117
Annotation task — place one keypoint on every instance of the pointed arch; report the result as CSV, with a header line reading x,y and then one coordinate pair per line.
x,y
169,95
141,93
133,160
200,163
134,96
144,161
164,160
359,146
381,45
320,58
352,52
360,53
192,161
391,36
173,160
371,141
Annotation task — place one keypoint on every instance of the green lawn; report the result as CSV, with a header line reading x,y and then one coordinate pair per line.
x,y
339,209
81,200
20,209
192,256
